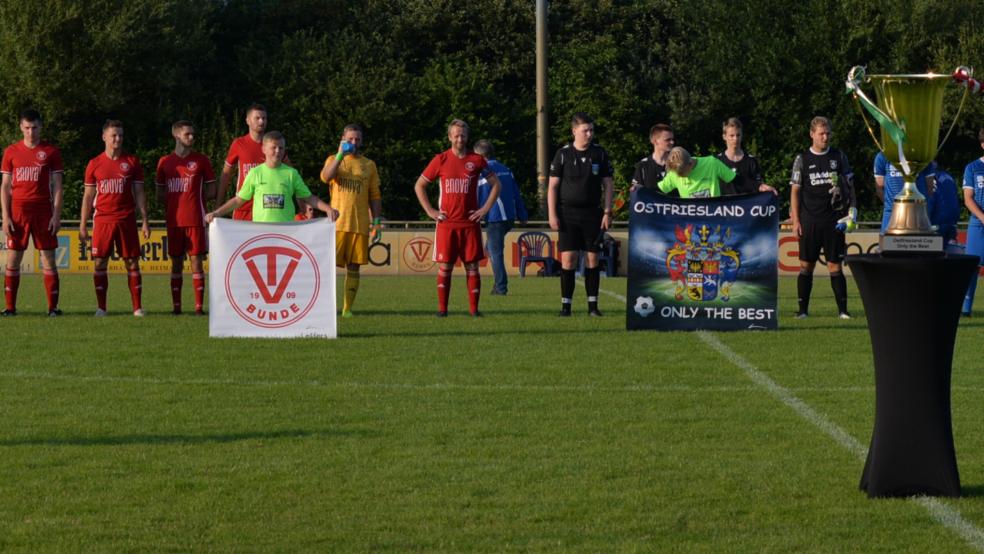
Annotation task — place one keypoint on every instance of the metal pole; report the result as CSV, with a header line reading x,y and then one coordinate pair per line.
x,y
542,124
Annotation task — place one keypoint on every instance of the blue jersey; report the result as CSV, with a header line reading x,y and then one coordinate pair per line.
x,y
894,181
944,205
509,206
974,180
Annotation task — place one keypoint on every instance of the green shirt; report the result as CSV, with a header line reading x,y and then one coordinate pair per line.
x,y
704,180
272,190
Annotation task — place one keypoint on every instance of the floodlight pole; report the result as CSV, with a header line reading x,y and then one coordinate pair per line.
x,y
542,124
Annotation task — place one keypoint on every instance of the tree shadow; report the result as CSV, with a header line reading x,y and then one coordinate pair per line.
x,y
123,440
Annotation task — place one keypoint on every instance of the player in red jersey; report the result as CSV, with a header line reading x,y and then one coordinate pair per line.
x,y
31,196
114,188
184,179
245,153
459,233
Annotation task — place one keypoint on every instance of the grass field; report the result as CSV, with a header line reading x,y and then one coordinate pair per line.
x,y
518,431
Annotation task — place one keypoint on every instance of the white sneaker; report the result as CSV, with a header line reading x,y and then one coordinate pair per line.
x,y
845,315
100,312
801,315
138,313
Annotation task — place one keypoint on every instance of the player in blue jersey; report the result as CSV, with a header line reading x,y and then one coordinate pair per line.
x,y
889,181
944,206
973,194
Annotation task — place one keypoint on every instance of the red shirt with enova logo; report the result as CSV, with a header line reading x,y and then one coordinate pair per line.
x,y
458,183
30,170
114,181
184,180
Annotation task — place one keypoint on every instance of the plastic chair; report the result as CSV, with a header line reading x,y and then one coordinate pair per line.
x,y
535,247
607,256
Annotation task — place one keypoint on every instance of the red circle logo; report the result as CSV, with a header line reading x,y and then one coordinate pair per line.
x,y
272,281
418,254
41,155
192,166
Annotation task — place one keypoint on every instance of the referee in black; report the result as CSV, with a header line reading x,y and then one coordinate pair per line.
x,y
822,197
578,210
650,170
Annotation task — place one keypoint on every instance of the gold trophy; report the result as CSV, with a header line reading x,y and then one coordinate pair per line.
x,y
909,111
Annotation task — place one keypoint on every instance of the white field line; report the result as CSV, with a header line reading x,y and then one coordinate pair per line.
x,y
945,515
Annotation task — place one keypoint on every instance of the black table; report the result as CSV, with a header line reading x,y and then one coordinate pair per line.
x,y
913,308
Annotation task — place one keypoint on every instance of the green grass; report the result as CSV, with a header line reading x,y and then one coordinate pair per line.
x,y
519,431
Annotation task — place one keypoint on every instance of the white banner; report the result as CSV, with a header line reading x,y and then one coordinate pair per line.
x,y
272,279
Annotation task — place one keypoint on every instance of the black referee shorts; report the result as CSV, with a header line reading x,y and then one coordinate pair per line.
x,y
821,235
579,229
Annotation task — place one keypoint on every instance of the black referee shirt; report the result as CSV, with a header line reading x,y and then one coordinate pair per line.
x,y
581,173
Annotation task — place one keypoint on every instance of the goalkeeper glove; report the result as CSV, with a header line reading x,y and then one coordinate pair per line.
x,y
848,222
376,234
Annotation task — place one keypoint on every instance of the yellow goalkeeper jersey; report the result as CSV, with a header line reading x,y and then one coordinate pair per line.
x,y
354,185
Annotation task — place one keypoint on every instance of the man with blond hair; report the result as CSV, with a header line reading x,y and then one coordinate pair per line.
x,y
746,166
458,234
822,208
699,177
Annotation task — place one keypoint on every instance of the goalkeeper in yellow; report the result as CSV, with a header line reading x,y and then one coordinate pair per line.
x,y
353,184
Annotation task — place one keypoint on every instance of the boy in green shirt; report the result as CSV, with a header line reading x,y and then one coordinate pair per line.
x,y
699,177
273,186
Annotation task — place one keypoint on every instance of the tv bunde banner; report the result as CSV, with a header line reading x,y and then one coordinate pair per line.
x,y
704,263
272,279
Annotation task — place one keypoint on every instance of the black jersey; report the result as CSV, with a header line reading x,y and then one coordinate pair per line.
x,y
648,173
581,173
820,199
748,176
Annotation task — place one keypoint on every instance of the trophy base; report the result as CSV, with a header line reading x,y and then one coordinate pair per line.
x,y
928,245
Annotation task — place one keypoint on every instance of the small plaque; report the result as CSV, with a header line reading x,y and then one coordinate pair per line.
x,y
912,244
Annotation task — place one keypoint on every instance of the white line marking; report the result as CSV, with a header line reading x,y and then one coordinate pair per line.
x,y
945,515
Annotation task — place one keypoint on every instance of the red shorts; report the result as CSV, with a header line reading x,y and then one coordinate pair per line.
x,y
453,241
244,212
31,222
119,233
192,241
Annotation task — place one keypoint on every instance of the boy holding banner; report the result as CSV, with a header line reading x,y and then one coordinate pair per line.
x,y
699,177
272,188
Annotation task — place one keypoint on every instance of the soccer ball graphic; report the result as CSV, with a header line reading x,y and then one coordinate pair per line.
x,y
644,305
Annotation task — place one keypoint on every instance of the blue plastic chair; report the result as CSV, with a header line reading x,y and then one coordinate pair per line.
x,y
608,256
535,247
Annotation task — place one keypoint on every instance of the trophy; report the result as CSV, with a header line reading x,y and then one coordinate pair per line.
x,y
909,111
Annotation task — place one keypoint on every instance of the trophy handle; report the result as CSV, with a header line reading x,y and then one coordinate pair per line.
x,y
867,124
855,77
963,100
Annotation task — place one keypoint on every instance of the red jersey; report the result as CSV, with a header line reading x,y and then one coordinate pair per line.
x,y
459,183
184,180
114,181
30,170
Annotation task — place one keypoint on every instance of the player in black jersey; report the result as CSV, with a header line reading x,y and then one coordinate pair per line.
x,y
650,170
748,175
579,173
822,209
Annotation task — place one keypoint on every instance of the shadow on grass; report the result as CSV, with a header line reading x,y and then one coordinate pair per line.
x,y
457,332
123,440
972,491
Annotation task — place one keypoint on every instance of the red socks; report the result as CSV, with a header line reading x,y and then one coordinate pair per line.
x,y
198,281
474,289
51,283
177,280
443,289
101,281
135,282
11,282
